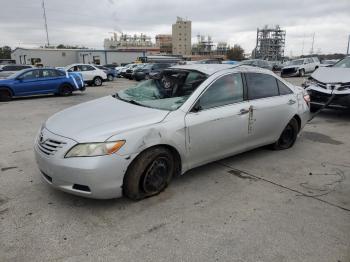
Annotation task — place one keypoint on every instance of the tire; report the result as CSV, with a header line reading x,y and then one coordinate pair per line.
x,y
149,174
5,95
301,72
97,81
65,90
288,136
110,77
146,76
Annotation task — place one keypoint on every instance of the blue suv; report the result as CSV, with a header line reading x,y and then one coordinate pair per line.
x,y
40,81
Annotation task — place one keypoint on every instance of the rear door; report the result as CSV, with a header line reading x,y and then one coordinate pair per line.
x,y
271,108
88,72
51,80
217,125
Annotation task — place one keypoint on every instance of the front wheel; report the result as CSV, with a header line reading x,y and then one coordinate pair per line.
x,y
97,81
149,174
301,72
288,136
110,77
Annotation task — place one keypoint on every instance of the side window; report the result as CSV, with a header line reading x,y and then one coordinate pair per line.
x,y
226,90
60,73
284,90
49,73
261,86
310,60
87,68
31,75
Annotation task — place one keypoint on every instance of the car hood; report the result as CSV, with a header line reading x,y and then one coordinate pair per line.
x,y
332,75
99,119
290,66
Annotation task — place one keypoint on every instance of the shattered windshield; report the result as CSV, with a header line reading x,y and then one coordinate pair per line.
x,y
167,91
345,63
297,62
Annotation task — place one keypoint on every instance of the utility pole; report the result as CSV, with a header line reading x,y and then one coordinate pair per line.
x,y
347,51
45,23
312,46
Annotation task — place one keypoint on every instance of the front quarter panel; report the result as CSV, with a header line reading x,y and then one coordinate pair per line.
x,y
170,132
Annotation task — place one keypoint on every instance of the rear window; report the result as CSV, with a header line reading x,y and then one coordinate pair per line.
x,y
261,86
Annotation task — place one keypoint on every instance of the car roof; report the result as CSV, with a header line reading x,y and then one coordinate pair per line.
x,y
207,69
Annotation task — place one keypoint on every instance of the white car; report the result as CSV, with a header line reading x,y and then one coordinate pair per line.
x,y
135,141
91,74
300,67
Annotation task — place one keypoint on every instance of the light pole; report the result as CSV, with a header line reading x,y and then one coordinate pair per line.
x,y
347,51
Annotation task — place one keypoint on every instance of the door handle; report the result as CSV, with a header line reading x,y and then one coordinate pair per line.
x,y
291,102
243,111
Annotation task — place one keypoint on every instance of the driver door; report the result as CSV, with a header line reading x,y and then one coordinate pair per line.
x,y
217,126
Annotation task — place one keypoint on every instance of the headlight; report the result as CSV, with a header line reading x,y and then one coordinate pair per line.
x,y
94,149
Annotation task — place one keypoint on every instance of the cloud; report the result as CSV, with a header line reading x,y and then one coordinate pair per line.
x,y
88,22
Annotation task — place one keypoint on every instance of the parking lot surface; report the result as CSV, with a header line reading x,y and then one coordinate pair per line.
x,y
291,205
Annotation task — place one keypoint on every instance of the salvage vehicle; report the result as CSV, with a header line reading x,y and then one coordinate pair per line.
x,y
258,63
129,73
30,82
7,70
149,69
330,83
91,74
300,67
133,143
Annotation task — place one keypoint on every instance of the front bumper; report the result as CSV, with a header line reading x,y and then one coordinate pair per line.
x,y
93,177
320,96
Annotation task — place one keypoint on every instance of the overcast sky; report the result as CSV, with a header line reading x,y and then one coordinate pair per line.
x,y
88,22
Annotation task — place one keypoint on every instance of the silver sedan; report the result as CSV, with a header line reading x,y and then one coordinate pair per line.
x,y
133,143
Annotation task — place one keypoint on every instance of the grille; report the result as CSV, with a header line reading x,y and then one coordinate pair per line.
x,y
289,71
50,146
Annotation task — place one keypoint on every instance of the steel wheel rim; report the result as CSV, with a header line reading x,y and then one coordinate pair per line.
x,y
155,178
97,81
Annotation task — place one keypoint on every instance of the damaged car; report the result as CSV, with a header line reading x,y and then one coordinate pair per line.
x,y
300,67
134,142
330,83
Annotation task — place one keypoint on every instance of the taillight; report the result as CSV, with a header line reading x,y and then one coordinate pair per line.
x,y
307,99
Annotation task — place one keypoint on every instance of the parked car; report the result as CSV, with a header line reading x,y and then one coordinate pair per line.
x,y
328,63
149,69
7,70
126,67
112,66
110,72
40,81
300,67
257,63
328,81
129,73
91,74
135,141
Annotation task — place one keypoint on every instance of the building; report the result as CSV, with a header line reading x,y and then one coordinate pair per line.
x,y
50,57
164,43
270,43
181,34
130,42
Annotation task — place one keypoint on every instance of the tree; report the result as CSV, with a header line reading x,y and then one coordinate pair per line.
x,y
235,53
5,52
61,46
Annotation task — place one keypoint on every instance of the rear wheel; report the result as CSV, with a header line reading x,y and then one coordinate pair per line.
x,y
288,136
5,95
149,174
66,90
97,81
